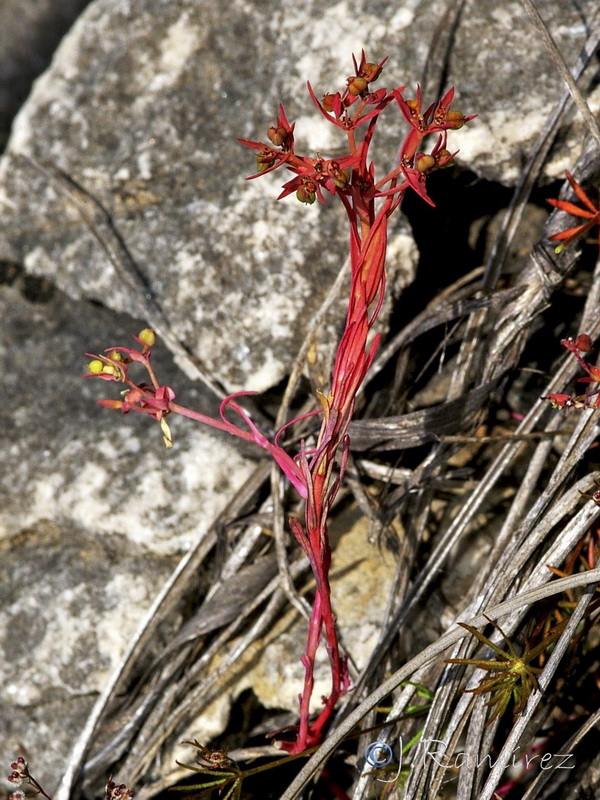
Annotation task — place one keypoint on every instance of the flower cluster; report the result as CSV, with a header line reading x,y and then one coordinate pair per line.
x,y
147,398
368,201
349,176
117,792
20,775
158,402
591,399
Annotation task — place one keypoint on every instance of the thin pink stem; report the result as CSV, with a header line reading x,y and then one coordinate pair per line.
x,y
221,425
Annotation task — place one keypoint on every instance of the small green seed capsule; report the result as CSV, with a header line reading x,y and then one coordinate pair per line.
x,y
425,162
306,195
264,161
456,119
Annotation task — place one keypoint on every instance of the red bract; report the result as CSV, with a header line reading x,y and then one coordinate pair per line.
x,y
313,173
584,343
269,157
369,202
591,213
366,69
567,401
339,107
282,133
437,117
411,109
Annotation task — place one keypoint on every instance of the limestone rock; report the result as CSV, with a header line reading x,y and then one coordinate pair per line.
x,y
70,603
29,33
93,512
71,461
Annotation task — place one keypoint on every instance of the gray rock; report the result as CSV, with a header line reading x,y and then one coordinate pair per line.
x,y
69,606
29,33
72,462
93,513
503,72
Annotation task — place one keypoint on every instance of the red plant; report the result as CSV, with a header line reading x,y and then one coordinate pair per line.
x,y
591,213
591,399
369,203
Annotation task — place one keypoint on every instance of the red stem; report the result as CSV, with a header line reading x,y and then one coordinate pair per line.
x,y
228,427
368,207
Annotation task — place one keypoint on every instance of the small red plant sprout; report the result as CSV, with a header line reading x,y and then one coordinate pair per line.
x,y
590,213
591,399
369,202
568,401
582,343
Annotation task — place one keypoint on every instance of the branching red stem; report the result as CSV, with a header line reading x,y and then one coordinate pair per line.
x,y
368,203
